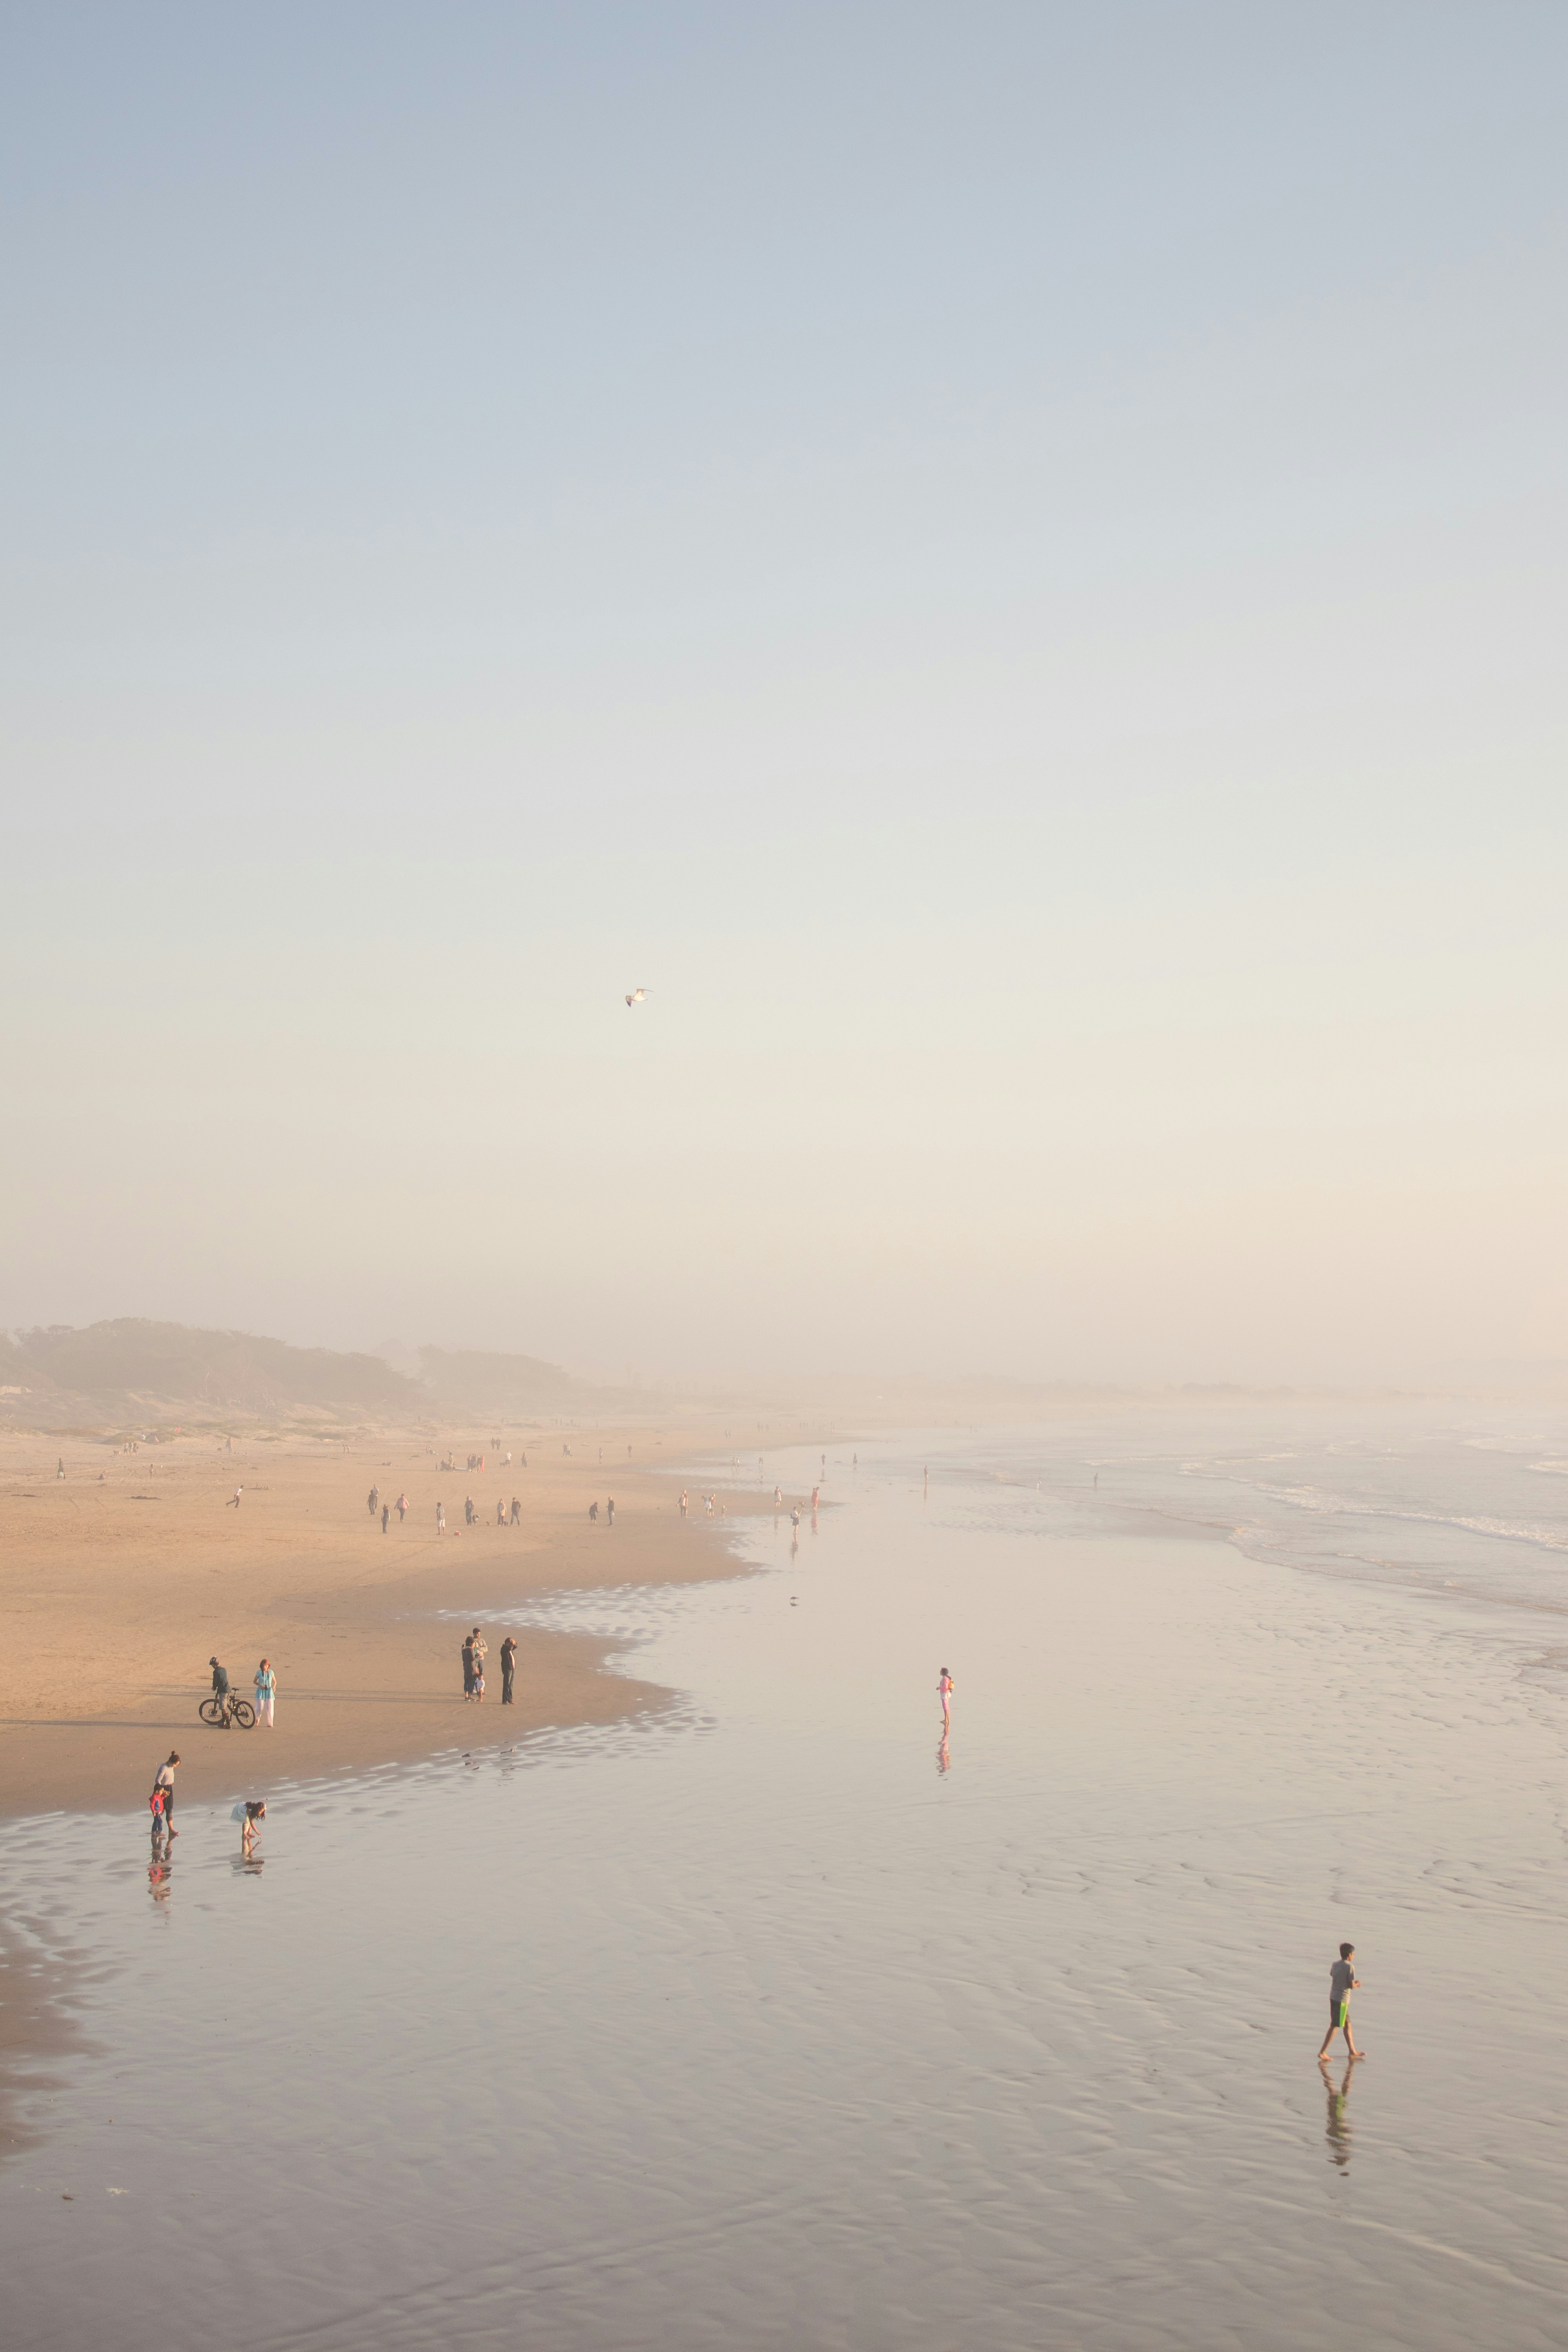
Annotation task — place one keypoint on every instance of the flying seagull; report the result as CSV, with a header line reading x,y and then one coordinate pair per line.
x,y
637,996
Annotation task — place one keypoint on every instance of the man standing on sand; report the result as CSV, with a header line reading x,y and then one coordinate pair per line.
x,y
468,1666
610,1510
507,1666
516,1512
372,1499
481,1651
440,1518
1342,1982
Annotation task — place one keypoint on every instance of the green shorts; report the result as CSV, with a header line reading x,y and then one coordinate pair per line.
x,y
1339,2015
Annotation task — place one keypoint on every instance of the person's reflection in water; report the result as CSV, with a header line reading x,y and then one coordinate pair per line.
x,y
1338,2127
159,1877
943,1757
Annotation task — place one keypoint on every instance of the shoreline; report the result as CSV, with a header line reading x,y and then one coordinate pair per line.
x,y
118,1583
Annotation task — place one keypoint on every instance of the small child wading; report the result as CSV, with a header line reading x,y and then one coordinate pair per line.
x,y
1342,1982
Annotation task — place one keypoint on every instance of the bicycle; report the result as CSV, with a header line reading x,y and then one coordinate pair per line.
x,y
221,1712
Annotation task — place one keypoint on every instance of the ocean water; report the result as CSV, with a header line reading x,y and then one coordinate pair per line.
x,y
777,2021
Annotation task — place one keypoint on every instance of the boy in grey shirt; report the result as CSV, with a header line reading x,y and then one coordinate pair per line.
x,y
1342,1982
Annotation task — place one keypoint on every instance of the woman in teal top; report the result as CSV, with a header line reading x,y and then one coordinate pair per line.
x,y
266,1691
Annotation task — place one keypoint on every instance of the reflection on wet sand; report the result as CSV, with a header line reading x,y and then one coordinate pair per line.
x,y
603,1959
1338,2127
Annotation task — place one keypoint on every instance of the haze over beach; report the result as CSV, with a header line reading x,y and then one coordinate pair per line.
x,y
1007,565
783,1381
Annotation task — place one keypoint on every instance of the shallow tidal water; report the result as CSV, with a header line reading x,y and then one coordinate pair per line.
x,y
770,2023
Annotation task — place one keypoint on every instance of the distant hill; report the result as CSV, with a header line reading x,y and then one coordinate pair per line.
x,y
56,1376
495,1383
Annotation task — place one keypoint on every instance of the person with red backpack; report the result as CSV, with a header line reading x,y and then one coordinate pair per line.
x,y
161,1800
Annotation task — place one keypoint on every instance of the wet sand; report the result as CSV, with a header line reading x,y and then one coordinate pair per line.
x,y
118,1582
769,2020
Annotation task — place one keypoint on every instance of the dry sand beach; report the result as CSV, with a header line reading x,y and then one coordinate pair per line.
x,y
120,1580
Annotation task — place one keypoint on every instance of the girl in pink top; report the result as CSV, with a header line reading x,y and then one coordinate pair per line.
x,y
944,1691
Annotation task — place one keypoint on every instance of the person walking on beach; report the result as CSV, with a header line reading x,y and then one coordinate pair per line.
x,y
402,1508
592,1510
480,1651
516,1512
944,1692
266,1692
166,1781
374,1498
1342,1982
508,1668
610,1510
233,1502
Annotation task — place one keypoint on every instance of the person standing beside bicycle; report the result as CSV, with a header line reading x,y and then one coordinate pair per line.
x,y
220,1683
266,1692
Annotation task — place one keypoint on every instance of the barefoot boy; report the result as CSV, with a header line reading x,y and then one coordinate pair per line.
x,y
1342,1982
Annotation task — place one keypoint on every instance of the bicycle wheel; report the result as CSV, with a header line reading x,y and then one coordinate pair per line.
x,y
243,1715
211,1711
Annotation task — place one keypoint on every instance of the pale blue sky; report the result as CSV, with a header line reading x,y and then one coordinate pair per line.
x,y
1007,564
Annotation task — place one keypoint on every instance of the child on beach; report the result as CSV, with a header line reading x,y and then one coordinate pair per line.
x,y
164,1788
250,1813
944,1692
1342,1982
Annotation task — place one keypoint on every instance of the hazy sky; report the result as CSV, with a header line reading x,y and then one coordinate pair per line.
x,y
1006,563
